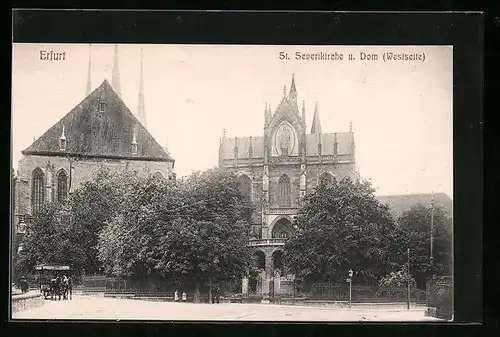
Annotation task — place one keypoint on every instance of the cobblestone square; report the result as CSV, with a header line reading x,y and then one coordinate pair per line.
x,y
99,308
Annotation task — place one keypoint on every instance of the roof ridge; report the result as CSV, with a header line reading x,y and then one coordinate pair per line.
x,y
93,136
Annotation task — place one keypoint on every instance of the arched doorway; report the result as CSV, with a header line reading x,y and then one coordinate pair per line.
x,y
282,229
255,279
278,266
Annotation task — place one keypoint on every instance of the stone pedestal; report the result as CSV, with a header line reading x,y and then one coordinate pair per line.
x,y
277,286
265,287
244,286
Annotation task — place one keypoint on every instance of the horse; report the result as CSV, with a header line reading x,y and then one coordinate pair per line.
x,y
55,288
67,287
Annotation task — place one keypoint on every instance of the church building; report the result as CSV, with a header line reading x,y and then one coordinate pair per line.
x,y
278,169
100,131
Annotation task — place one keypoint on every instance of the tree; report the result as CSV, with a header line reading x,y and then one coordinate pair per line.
x,y
398,279
340,226
129,244
194,231
93,205
51,239
416,224
209,236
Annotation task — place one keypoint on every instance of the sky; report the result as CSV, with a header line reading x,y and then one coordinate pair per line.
x,y
401,110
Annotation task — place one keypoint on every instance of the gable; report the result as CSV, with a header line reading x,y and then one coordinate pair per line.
x,y
107,133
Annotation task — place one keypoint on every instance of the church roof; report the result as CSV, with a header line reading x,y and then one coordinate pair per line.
x,y
345,141
94,133
398,204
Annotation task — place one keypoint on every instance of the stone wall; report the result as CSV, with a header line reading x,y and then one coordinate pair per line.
x,y
26,301
82,171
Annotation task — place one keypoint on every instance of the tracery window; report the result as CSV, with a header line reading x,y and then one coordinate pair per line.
x,y
284,191
62,186
37,190
326,179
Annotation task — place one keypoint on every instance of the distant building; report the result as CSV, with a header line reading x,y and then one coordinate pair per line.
x,y
100,131
398,204
279,168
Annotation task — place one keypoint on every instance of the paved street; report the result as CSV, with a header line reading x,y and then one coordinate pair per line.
x,y
86,307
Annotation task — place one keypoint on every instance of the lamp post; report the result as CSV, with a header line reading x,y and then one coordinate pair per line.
x,y
408,278
350,287
432,234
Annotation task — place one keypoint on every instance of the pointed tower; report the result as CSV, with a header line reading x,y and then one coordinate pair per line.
x,y
267,115
141,108
304,112
292,95
316,124
115,79
89,73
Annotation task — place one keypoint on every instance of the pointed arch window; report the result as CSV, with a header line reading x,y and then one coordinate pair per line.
x,y
284,191
62,186
326,179
158,176
37,190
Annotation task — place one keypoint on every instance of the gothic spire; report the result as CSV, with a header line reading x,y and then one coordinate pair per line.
x,y
89,80
293,91
304,111
316,124
141,107
267,114
115,79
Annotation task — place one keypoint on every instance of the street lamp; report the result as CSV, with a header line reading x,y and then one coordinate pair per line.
x,y
408,278
350,287
432,234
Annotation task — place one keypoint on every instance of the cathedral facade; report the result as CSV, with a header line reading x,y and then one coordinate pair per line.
x,y
278,169
100,131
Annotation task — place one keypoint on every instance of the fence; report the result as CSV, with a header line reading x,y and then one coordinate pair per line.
x,y
366,294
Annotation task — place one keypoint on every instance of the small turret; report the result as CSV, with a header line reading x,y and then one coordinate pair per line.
x,y
134,144
62,141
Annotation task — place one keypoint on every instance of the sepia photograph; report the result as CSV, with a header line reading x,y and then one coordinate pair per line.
x,y
205,182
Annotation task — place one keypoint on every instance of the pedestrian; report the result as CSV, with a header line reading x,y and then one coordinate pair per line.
x,y
23,284
184,296
176,296
70,287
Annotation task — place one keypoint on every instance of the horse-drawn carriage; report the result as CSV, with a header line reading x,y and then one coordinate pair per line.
x,y
54,281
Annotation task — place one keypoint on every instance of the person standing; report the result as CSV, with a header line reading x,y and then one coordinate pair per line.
x,y
24,285
184,296
70,287
176,296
